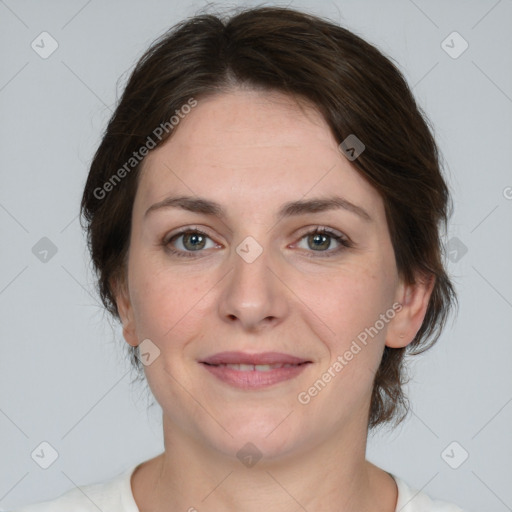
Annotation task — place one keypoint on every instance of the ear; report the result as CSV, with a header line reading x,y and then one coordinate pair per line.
x,y
407,322
121,293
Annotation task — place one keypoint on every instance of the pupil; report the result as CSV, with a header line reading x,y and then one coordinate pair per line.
x,y
194,237
319,238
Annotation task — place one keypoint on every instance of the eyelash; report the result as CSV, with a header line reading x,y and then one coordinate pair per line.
x,y
344,242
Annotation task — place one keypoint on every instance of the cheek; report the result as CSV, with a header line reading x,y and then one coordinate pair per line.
x,y
351,307
353,299
172,308
162,300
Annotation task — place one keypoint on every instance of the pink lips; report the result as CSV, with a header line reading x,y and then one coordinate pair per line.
x,y
268,368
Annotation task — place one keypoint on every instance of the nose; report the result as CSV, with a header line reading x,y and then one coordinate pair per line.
x,y
254,294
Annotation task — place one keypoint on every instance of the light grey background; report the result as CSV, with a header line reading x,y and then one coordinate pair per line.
x,y
64,379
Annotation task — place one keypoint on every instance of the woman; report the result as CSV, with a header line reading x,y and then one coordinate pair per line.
x,y
263,213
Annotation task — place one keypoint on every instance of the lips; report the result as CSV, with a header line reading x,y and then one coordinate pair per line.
x,y
254,371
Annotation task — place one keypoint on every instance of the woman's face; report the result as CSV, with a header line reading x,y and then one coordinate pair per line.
x,y
256,280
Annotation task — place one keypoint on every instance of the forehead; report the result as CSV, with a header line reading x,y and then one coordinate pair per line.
x,y
254,144
252,117
237,125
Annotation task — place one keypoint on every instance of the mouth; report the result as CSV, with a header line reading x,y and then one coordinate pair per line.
x,y
255,367
254,371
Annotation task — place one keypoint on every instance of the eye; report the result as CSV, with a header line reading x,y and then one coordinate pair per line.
x,y
188,241
321,240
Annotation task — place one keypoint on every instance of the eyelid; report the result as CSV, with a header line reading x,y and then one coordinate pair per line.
x,y
186,229
320,228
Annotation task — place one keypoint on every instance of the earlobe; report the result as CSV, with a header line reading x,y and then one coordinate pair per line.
x,y
407,322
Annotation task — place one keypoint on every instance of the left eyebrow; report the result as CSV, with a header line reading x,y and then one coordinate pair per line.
x,y
320,205
301,207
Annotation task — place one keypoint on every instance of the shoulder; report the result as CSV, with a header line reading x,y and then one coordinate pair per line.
x,y
412,500
114,495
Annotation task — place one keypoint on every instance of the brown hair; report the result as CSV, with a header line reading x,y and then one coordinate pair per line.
x,y
352,84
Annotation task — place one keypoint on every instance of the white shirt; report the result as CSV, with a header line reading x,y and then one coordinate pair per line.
x,y
115,495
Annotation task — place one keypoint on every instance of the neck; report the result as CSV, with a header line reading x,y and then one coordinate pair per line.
x,y
331,476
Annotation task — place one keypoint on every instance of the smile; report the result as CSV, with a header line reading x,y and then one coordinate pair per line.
x,y
256,367
254,371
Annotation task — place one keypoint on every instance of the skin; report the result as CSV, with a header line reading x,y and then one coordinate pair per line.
x,y
251,152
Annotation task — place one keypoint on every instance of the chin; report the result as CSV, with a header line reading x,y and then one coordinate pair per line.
x,y
265,433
